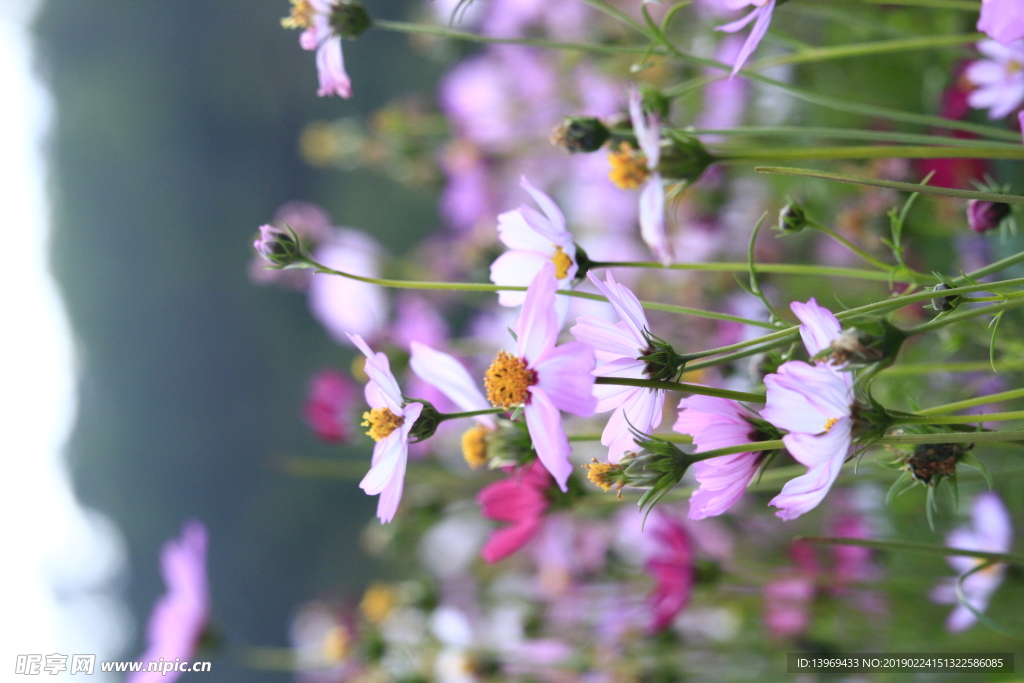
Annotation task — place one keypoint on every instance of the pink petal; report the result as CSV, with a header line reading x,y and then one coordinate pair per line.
x,y
330,67
652,220
819,326
517,269
547,205
504,542
549,440
824,455
450,377
610,341
538,321
564,375
626,306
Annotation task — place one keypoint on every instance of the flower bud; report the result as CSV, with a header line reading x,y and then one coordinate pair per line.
x,y
426,424
792,218
684,159
984,215
663,363
944,304
280,247
867,343
580,134
349,19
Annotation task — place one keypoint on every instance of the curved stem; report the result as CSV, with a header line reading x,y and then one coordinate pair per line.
x,y
971,402
963,315
682,386
853,248
775,268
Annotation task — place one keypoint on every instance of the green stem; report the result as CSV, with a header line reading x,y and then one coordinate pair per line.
x,y
959,419
471,413
913,547
963,315
958,5
664,436
953,437
849,134
962,366
880,47
971,402
775,268
682,386
869,152
877,263
1001,264
405,27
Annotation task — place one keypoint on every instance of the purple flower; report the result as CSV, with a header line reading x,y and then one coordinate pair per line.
x,y
717,423
819,327
1003,20
544,378
762,13
345,306
999,80
983,216
990,531
314,16
180,615
618,348
390,420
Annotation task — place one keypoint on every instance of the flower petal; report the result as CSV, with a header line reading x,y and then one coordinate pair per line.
x,y
564,375
819,327
549,440
538,321
450,377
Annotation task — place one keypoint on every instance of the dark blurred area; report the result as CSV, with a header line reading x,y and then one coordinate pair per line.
x,y
176,136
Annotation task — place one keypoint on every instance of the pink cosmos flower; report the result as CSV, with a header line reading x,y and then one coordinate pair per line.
x,y
390,420
999,79
814,404
314,16
330,406
990,531
534,239
521,500
544,378
446,374
717,423
647,128
787,603
618,347
672,566
762,12
1003,20
180,615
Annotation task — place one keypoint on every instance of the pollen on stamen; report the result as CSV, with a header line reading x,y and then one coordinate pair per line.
x,y
301,16
629,167
507,381
562,263
474,446
605,476
381,423
829,423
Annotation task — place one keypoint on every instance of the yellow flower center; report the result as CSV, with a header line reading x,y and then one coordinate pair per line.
x,y
301,16
629,167
474,446
829,423
381,423
335,645
562,263
377,603
1013,67
507,381
605,475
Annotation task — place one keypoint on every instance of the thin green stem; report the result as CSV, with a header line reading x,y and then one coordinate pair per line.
x,y
849,134
953,437
618,14
960,419
471,413
868,152
1001,264
877,263
774,268
971,402
957,5
880,47
1016,302
682,386
664,436
427,29
961,366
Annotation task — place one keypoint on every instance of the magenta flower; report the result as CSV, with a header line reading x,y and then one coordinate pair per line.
x,y
330,406
544,378
814,404
672,566
990,531
632,170
999,80
521,500
314,17
618,348
534,239
762,12
717,423
390,420
181,614
1003,20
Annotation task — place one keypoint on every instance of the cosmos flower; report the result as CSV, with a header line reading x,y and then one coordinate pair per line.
x,y
344,306
390,420
717,423
1003,20
543,378
520,500
533,240
618,347
672,566
814,403
633,169
999,80
990,531
330,406
324,23
762,12
181,614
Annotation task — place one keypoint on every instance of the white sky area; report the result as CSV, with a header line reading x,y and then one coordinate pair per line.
x,y
63,565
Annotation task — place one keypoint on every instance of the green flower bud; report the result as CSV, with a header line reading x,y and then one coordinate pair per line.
x,y
350,19
663,363
280,247
944,304
684,159
580,134
792,218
